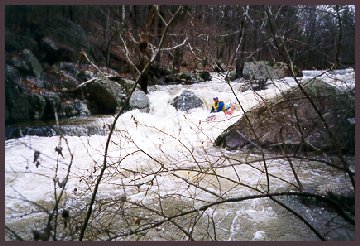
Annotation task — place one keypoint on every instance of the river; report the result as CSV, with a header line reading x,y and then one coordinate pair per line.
x,y
162,164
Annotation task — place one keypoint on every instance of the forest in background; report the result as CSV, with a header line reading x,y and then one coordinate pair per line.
x,y
316,37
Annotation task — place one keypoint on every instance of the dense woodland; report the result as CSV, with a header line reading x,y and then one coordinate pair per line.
x,y
315,36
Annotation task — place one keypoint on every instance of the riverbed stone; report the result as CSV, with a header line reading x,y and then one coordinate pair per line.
x,y
263,70
291,121
186,101
104,96
71,108
27,63
139,100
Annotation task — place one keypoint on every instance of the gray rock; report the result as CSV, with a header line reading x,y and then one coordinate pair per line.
x,y
79,130
35,67
105,96
184,77
82,108
257,70
186,101
75,108
263,70
17,102
291,120
27,63
20,64
38,105
205,76
11,73
127,84
139,100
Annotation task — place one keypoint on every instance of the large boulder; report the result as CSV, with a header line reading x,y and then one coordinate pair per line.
x,y
139,100
204,76
263,70
22,97
16,102
290,120
186,101
23,104
61,39
27,63
71,108
104,96
18,42
184,77
127,84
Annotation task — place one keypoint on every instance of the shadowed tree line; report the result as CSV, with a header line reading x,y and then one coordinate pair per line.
x,y
316,36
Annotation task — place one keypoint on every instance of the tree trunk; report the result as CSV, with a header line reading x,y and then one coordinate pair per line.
x,y
107,39
240,52
338,45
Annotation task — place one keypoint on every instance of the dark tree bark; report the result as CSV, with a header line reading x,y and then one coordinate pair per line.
x,y
339,40
240,53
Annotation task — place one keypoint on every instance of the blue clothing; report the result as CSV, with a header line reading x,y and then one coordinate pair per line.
x,y
218,106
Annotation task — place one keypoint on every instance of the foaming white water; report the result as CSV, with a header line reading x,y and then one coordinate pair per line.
x,y
168,146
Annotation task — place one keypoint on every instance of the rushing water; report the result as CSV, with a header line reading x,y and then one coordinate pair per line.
x,y
168,155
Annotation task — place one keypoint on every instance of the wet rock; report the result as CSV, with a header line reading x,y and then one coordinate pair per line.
x,y
75,108
27,63
186,101
139,100
257,70
11,73
42,131
85,75
292,121
263,70
205,76
233,139
104,96
20,64
127,84
12,132
183,77
79,130
16,102
69,67
38,105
